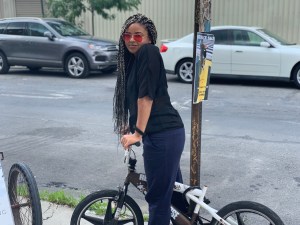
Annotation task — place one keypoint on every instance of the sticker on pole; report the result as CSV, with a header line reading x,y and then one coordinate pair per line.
x,y
203,62
6,217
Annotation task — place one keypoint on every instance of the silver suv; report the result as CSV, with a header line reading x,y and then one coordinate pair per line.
x,y
37,43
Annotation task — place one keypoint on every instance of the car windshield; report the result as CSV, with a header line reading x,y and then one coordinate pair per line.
x,y
275,37
188,38
67,29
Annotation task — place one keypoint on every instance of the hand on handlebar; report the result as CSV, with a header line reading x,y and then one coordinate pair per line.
x,y
130,139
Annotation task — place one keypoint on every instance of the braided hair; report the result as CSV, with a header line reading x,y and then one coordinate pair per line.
x,y
120,112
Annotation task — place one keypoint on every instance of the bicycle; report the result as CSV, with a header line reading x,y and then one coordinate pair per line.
x,y
23,196
111,207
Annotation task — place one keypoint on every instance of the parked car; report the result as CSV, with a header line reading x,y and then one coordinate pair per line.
x,y
238,51
37,43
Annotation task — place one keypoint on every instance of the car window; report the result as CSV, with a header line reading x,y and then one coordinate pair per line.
x,y
274,37
221,36
36,29
16,28
66,29
2,27
188,39
243,37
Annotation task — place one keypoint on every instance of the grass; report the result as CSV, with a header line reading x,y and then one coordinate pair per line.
x,y
62,198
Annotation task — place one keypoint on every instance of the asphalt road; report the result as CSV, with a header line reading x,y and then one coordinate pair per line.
x,y
63,129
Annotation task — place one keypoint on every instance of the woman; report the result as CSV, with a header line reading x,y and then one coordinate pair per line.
x,y
141,90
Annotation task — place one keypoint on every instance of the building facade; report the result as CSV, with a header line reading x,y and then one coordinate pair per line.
x,y
21,8
175,18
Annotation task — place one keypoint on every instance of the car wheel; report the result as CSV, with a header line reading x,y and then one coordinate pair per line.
x,y
4,67
77,66
296,76
184,70
34,69
109,70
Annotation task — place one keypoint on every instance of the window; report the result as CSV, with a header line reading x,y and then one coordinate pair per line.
x,y
221,36
243,37
2,27
16,28
66,29
36,29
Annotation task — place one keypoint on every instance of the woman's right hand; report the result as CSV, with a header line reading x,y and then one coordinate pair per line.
x,y
130,139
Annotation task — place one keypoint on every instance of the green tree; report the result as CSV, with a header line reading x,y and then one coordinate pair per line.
x,y
70,9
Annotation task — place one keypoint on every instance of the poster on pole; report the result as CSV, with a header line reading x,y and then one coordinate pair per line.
x,y
203,62
6,216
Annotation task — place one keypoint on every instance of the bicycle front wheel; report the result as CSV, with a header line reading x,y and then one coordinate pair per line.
x,y
100,208
24,196
246,213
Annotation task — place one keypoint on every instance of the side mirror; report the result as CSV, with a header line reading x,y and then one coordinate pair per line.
x,y
49,35
265,44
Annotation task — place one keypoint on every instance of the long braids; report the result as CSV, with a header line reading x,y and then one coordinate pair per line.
x,y
120,112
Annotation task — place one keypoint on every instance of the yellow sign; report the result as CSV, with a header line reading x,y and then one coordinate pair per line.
x,y
203,63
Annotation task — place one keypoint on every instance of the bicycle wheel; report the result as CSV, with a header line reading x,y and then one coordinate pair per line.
x,y
246,213
100,207
24,196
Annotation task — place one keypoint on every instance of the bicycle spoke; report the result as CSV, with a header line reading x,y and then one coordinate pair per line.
x,y
126,221
239,219
108,214
93,220
21,205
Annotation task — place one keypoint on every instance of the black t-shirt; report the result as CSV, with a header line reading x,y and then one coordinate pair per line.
x,y
147,77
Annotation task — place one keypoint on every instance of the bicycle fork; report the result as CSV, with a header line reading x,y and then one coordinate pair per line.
x,y
121,200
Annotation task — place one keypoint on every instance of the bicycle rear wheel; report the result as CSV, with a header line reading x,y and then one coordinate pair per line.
x,y
246,213
24,196
100,208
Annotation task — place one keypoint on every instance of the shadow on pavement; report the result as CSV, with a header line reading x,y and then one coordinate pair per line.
x,y
54,72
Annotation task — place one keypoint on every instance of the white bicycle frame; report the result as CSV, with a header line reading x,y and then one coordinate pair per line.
x,y
6,216
195,195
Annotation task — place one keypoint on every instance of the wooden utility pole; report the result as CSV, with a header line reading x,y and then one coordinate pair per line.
x,y
202,24
42,8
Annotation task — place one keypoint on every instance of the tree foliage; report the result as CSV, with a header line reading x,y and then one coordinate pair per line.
x,y
70,9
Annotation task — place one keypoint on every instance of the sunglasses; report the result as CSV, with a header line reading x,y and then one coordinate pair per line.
x,y
137,37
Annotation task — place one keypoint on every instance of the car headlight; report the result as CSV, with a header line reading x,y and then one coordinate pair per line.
x,y
97,47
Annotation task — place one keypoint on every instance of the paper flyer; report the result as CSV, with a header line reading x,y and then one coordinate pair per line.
x,y
203,63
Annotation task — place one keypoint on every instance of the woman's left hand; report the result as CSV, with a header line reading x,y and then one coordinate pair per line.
x,y
130,139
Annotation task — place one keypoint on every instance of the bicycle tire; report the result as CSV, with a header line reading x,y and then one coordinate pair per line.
x,y
86,211
24,196
249,213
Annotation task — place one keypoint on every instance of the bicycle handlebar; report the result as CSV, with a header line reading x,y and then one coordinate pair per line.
x,y
127,152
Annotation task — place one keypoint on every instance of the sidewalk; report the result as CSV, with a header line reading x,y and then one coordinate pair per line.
x,y
56,214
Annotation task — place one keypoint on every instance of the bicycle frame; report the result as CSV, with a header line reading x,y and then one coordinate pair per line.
x,y
192,194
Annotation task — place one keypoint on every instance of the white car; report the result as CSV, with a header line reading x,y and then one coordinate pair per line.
x,y
238,51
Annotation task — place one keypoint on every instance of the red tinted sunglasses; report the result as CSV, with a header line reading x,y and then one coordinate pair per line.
x,y
137,37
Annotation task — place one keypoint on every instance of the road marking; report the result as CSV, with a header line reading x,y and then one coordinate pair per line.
x,y
51,96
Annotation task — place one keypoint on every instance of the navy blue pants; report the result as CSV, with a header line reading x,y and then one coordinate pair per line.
x,y
162,152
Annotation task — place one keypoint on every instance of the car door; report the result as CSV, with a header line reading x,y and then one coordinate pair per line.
x,y
250,58
42,48
14,44
221,60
